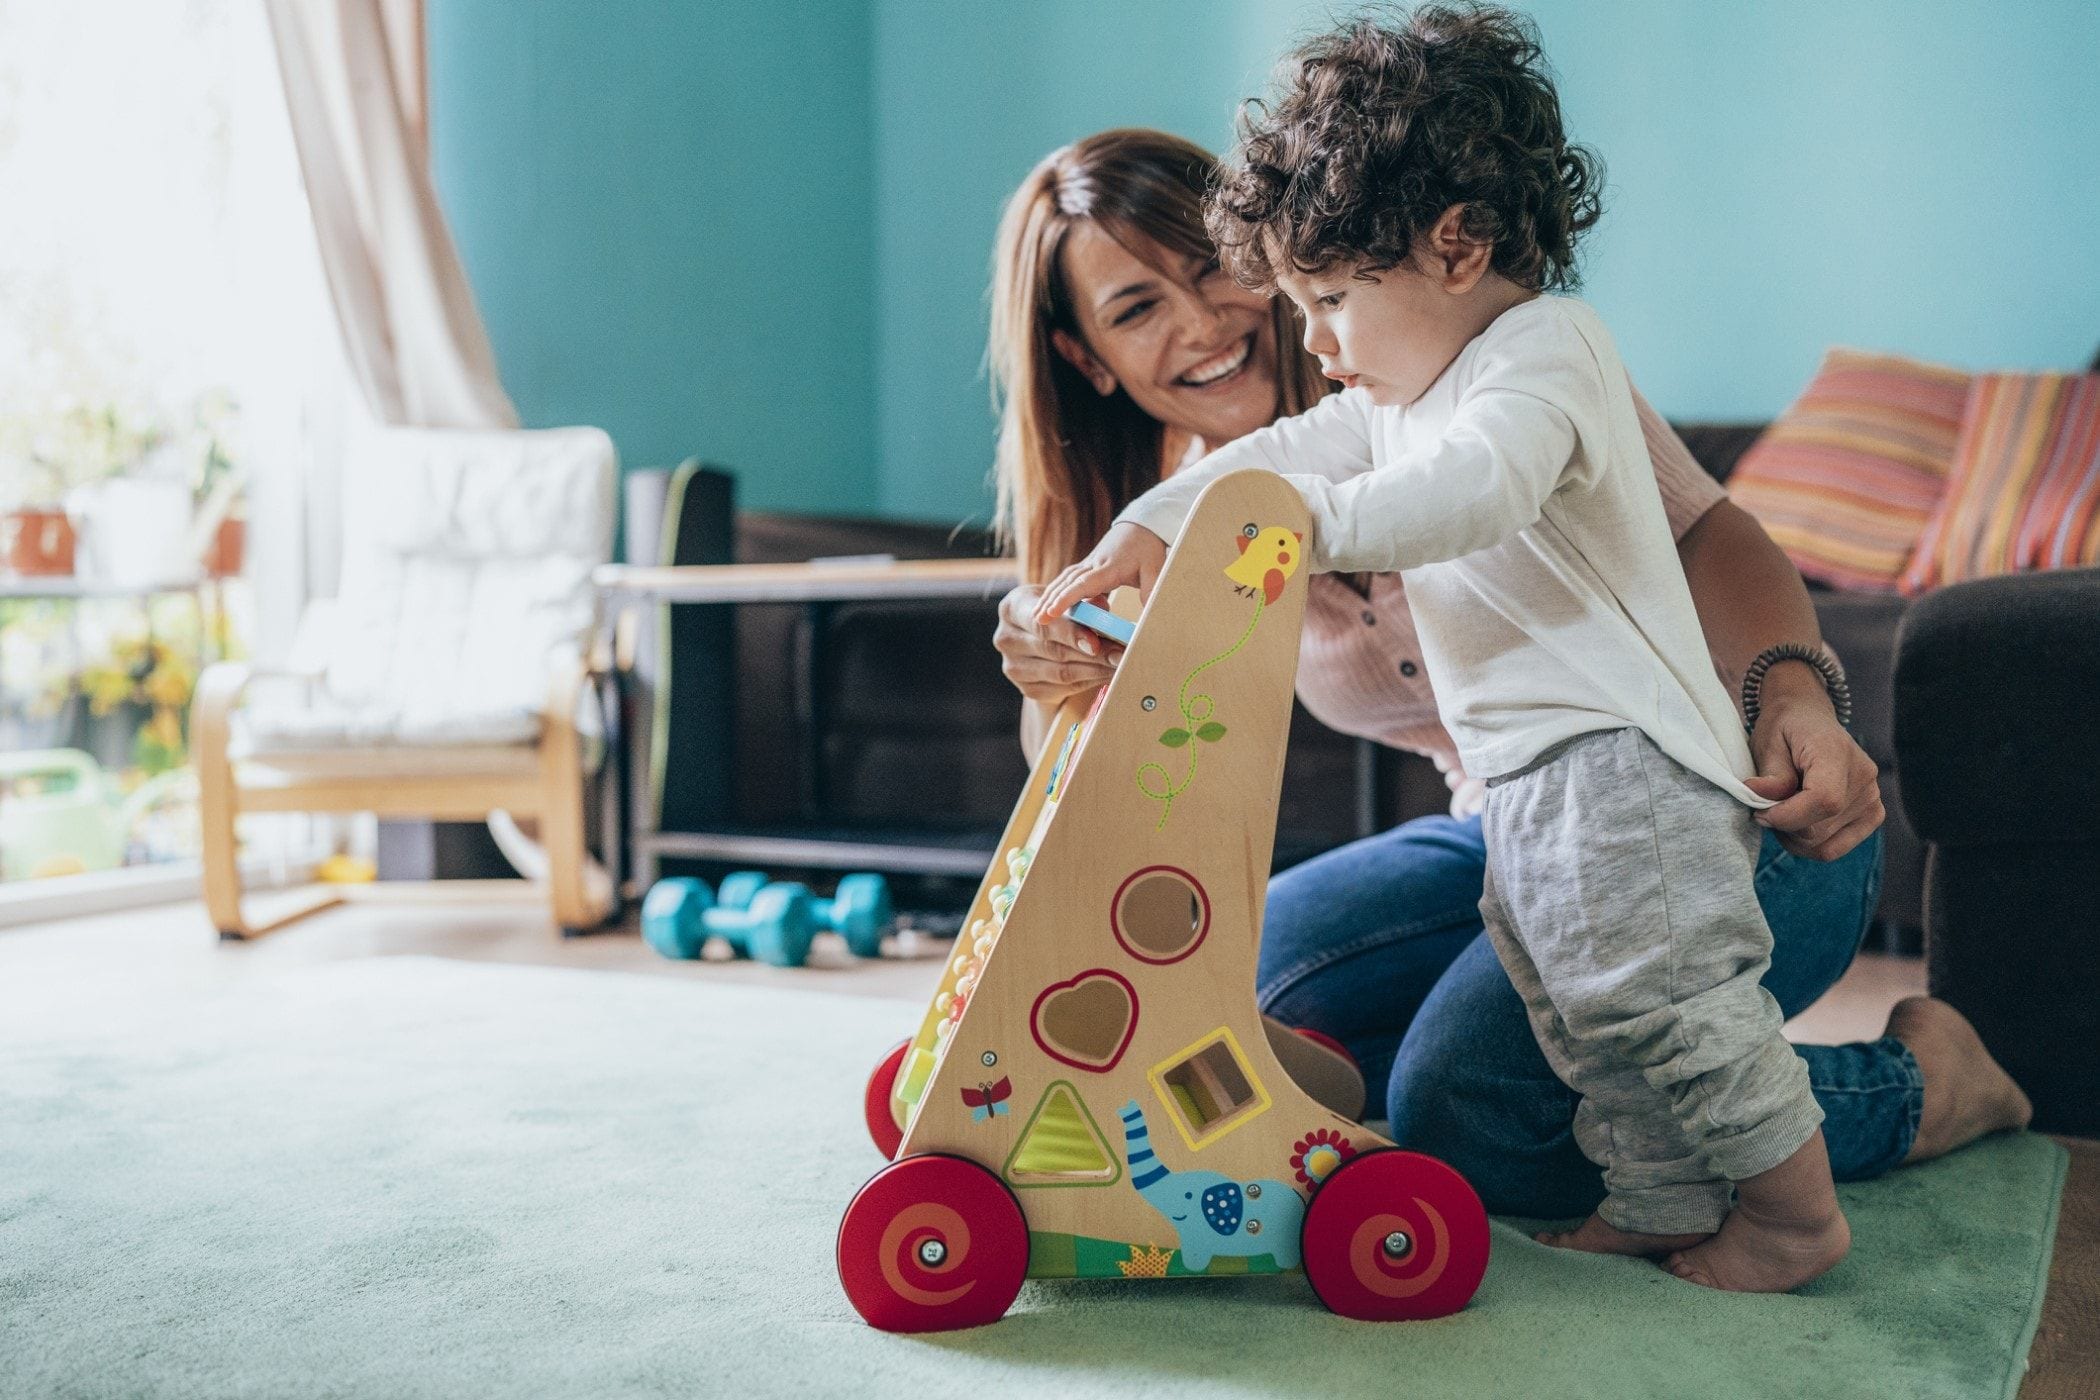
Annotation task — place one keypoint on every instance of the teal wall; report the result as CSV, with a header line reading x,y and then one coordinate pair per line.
x,y
968,97
663,209
763,231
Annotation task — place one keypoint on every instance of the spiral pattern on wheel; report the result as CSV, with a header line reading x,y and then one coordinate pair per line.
x,y
1393,1235
932,1242
905,1270
1414,1272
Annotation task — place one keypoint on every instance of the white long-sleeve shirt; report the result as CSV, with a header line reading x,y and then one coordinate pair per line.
x,y
1517,500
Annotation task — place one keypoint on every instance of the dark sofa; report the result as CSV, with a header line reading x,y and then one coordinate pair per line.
x,y
855,716
1994,721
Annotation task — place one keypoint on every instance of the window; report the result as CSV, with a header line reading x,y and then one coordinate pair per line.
x,y
166,350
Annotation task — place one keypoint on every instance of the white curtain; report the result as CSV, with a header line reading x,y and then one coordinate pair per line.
x,y
353,83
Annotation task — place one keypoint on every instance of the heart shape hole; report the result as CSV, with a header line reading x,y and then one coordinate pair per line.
x,y
1086,1022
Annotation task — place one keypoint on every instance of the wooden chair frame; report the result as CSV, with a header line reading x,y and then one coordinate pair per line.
x,y
545,782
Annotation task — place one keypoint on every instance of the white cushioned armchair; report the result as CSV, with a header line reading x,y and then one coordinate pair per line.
x,y
447,678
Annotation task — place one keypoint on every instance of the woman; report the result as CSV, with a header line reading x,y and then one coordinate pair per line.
x,y
1120,352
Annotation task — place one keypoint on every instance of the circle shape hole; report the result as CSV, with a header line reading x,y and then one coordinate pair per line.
x,y
1160,914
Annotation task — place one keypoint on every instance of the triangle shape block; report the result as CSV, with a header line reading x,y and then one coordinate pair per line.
x,y
1061,1146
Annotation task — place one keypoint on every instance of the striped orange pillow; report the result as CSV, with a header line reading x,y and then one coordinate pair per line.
x,y
1846,478
2024,492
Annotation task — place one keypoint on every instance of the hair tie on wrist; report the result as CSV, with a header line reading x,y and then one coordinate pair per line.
x,y
1825,664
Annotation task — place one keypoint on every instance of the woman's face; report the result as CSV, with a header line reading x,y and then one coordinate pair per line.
x,y
1189,345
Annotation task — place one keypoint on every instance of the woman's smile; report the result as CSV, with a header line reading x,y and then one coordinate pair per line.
x,y
1221,368
1192,348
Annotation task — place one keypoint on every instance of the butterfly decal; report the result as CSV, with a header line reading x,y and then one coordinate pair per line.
x,y
988,1101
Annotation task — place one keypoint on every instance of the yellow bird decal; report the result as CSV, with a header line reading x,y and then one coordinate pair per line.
x,y
1267,560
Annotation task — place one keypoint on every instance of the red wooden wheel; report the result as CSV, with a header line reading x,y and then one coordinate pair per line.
x,y
1323,1038
1394,1236
875,1100
932,1243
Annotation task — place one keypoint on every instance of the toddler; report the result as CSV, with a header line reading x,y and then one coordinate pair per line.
x,y
1412,192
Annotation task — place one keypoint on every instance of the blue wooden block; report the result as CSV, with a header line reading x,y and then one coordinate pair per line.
x,y
1103,621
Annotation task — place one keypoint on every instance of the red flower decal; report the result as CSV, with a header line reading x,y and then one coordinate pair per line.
x,y
1315,1156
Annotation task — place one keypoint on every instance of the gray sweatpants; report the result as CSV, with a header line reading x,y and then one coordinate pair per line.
x,y
1620,897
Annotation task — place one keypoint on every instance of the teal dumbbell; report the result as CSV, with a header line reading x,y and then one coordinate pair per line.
x,y
860,912
679,916
671,916
738,890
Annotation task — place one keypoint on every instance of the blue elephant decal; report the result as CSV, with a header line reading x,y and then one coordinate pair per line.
x,y
1213,1215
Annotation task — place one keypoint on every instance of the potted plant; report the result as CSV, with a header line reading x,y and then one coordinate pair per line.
x,y
220,529
139,698
36,536
40,703
47,456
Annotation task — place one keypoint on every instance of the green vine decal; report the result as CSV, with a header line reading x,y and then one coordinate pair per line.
x,y
1197,728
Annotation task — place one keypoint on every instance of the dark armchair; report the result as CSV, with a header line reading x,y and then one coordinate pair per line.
x,y
1997,729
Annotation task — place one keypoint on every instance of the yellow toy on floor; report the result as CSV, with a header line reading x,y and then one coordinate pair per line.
x,y
1092,1092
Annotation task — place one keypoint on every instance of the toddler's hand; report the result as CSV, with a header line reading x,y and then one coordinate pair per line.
x,y
1127,555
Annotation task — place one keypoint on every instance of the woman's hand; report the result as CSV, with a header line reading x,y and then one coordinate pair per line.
x,y
1046,671
1823,782
1128,556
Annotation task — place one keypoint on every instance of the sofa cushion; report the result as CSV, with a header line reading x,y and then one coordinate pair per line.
x,y
1719,447
1845,480
1994,726
1862,628
2024,489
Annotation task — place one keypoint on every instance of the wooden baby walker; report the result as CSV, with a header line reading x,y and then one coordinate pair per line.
x,y
1092,1093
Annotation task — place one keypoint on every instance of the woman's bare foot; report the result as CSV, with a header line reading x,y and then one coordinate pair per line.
x,y
1597,1235
1967,1094
1786,1229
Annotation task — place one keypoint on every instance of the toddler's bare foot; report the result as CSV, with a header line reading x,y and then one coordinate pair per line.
x,y
1786,1229
1967,1094
1597,1235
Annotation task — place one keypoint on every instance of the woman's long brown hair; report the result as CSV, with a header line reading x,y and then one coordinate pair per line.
x,y
1069,458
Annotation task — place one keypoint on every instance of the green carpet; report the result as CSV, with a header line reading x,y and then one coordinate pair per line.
x,y
407,1177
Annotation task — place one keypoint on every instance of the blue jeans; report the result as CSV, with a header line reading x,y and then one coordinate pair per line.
x,y
1379,944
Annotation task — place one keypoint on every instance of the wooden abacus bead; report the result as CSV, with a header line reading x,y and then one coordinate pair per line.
x,y
940,1003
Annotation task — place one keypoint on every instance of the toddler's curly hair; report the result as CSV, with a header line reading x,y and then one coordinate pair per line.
x,y
1381,127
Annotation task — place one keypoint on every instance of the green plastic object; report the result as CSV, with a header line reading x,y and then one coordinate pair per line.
x,y
60,814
